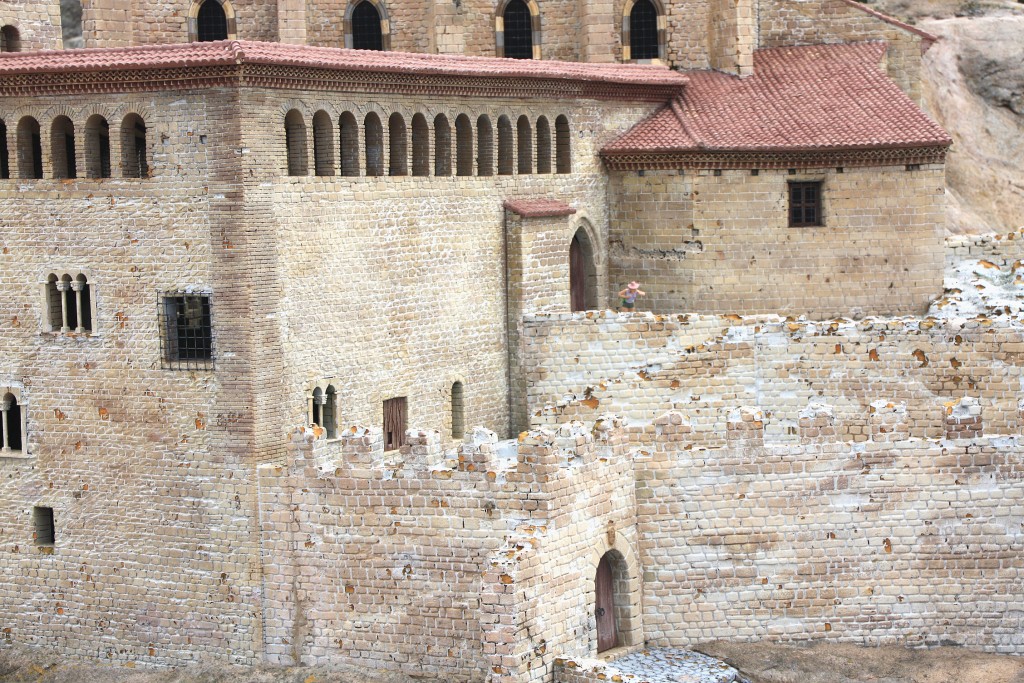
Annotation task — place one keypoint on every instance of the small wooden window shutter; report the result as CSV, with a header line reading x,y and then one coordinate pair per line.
x,y
395,410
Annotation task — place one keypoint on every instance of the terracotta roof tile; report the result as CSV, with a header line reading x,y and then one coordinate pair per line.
x,y
799,98
538,208
248,52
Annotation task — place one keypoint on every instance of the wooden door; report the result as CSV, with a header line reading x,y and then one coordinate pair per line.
x,y
577,276
607,638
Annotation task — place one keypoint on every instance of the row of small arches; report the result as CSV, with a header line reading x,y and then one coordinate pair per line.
x,y
64,158
322,411
528,147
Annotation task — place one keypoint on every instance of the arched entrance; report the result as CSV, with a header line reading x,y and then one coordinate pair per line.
x,y
604,605
582,273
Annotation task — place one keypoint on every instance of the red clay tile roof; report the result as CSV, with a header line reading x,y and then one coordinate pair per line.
x,y
224,53
814,97
538,208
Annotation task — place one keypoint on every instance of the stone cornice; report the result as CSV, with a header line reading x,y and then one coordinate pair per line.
x,y
768,159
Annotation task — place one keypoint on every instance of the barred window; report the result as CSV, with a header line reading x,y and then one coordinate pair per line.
x,y
187,339
366,27
805,205
212,22
518,34
643,31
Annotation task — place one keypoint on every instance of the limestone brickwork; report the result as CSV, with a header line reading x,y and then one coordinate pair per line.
x,y
719,242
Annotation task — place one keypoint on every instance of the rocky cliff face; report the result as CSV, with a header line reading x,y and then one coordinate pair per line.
x,y
974,87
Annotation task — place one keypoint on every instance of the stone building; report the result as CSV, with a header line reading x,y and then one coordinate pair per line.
x,y
225,240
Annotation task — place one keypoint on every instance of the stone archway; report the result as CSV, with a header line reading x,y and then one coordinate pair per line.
x,y
617,590
582,272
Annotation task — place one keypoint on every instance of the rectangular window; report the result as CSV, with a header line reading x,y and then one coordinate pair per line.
x,y
395,410
805,205
187,335
42,526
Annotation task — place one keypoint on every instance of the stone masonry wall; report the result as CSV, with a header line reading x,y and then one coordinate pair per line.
x,y
721,244
38,23
403,292
148,470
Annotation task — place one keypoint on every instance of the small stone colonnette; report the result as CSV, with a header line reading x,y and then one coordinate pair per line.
x,y
662,665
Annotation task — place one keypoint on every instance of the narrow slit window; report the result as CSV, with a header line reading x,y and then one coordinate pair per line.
x,y
5,168
458,411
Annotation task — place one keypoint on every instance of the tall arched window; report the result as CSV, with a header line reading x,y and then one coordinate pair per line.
x,y
643,40
516,34
374,135
366,27
442,146
398,146
323,410
211,22
5,168
458,411
97,147
525,144
563,145
295,143
10,39
543,145
348,130
463,145
62,148
420,146
30,149
323,144
484,146
506,147
133,147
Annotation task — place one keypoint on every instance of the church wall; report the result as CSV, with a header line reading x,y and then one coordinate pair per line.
x,y
112,23
721,244
148,470
37,23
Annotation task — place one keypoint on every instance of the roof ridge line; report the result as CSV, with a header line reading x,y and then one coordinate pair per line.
x,y
677,109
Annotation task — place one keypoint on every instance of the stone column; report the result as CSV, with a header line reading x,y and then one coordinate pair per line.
x,y
62,287
76,285
5,406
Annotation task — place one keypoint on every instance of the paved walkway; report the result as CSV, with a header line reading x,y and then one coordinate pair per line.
x,y
659,665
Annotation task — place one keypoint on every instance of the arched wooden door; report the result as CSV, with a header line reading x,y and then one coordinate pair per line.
x,y
607,637
577,275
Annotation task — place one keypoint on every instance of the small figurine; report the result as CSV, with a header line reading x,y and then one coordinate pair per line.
x,y
629,295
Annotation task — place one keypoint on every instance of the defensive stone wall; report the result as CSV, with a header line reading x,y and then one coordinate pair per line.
x,y
1002,250
719,241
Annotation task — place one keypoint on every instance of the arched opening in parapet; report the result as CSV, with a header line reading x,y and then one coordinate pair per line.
x,y
563,145
543,145
296,149
611,603
323,144
373,134
97,147
420,145
463,145
398,146
62,148
442,146
134,163
348,133
5,169
10,39
367,26
524,144
30,149
582,272
484,146
506,146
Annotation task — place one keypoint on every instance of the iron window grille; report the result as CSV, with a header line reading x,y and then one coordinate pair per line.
x,y
643,31
212,22
186,340
366,28
518,36
805,205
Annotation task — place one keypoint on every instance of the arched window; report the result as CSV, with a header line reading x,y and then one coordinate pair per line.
x,y
323,143
349,135
10,417
30,149
211,22
420,146
97,147
543,145
366,27
317,408
458,411
463,145
506,146
295,143
484,146
642,28
398,146
330,412
442,146
10,39
62,148
133,147
515,34
525,144
563,145
374,133
5,168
